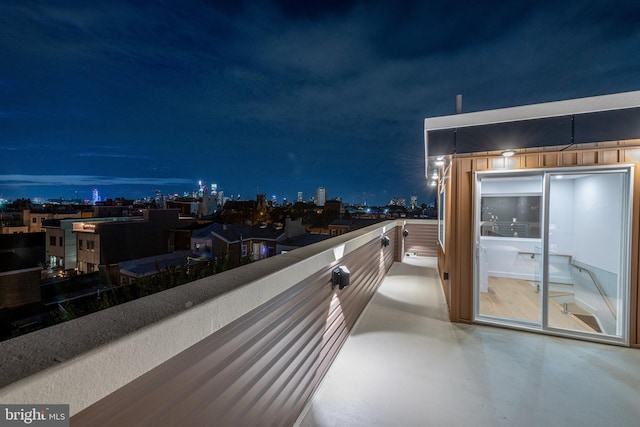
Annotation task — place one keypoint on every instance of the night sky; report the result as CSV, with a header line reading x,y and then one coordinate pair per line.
x,y
282,96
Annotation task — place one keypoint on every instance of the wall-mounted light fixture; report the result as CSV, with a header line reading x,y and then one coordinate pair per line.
x,y
384,240
340,277
508,153
405,232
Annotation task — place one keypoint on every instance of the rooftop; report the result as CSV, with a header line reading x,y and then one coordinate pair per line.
x,y
406,364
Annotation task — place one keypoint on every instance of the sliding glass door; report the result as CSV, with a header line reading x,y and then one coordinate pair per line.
x,y
509,262
552,250
587,241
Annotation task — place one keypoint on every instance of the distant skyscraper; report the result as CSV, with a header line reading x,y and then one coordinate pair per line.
x,y
95,197
261,202
414,202
398,201
300,196
321,196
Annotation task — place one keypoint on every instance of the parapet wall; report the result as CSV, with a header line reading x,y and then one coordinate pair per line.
x,y
84,360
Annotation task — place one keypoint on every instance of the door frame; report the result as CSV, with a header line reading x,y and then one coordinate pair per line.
x,y
625,267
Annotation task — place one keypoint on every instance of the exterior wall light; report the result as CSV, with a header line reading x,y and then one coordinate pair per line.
x,y
340,277
508,153
405,232
384,240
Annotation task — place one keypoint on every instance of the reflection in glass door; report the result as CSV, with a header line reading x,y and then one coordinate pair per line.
x,y
509,265
552,250
587,231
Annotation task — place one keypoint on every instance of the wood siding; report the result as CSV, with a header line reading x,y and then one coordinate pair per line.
x,y
457,259
422,239
260,369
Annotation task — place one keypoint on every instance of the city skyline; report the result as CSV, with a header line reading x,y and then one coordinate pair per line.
x,y
91,194
281,96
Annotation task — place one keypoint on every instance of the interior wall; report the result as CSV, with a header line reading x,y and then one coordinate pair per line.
x,y
562,217
598,221
511,257
511,187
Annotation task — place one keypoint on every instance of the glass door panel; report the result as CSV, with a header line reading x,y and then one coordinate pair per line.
x,y
587,229
508,252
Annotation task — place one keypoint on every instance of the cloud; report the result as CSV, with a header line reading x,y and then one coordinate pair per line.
x,y
115,156
85,180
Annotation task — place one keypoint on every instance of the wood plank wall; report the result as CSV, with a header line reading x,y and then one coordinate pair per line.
x,y
422,239
457,259
260,369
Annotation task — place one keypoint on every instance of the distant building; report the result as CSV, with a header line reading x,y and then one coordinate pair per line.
x,y
240,211
34,218
21,260
398,201
95,197
112,210
12,222
109,242
299,199
186,206
321,196
131,271
342,226
261,202
296,236
335,206
414,202
237,242
61,243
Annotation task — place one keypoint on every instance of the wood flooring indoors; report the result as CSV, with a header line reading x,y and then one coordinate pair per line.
x,y
518,299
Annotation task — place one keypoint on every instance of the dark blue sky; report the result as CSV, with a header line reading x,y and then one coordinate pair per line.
x,y
282,96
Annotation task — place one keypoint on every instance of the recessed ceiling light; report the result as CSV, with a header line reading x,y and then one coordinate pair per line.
x,y
508,153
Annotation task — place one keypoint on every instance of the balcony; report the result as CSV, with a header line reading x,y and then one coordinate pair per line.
x,y
251,346
406,364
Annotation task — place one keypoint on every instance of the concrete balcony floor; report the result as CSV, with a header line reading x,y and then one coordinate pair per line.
x,y
405,364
